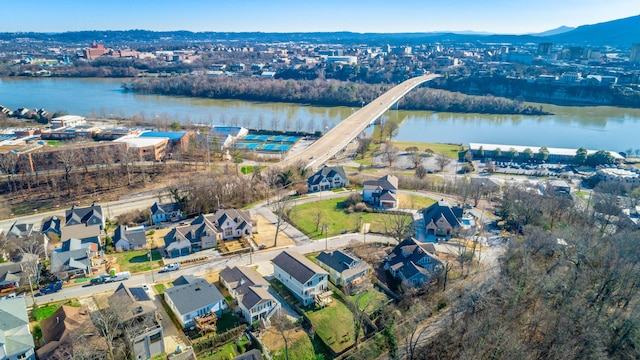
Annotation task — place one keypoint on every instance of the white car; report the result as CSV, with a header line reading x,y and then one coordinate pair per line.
x,y
171,267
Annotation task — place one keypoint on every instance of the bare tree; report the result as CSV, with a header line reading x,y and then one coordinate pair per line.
x,y
69,159
8,163
442,161
283,325
414,156
398,226
30,250
281,209
390,153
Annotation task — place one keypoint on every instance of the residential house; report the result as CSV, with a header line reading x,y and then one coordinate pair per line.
x,y
412,262
232,223
139,319
129,238
90,215
11,275
165,212
442,220
73,259
306,280
253,354
382,192
192,297
251,291
70,333
16,341
557,186
87,234
343,268
52,225
19,229
327,178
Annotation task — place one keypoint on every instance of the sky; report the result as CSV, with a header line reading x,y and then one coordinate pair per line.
x,y
388,16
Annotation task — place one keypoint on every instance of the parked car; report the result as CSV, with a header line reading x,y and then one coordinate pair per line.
x,y
171,267
121,276
100,280
51,288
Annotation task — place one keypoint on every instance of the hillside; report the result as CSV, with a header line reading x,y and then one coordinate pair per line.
x,y
621,32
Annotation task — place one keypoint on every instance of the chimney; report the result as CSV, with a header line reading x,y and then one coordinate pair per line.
x,y
57,319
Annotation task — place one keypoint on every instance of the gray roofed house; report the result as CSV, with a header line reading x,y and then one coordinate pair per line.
x,y
82,232
52,225
71,263
90,215
165,212
327,178
442,220
343,267
381,192
301,276
19,229
195,297
253,354
129,238
11,275
413,262
232,223
16,341
138,315
252,292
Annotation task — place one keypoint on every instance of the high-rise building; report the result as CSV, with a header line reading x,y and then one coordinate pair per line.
x,y
634,58
545,48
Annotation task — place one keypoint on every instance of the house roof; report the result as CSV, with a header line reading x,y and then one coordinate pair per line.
x,y
239,278
345,264
326,172
298,266
387,182
193,296
253,354
15,336
443,209
80,231
74,259
407,254
173,136
134,236
90,214
58,328
52,224
131,302
10,271
19,229
164,208
254,296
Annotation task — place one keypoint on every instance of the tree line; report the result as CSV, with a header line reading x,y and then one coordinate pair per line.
x,y
321,92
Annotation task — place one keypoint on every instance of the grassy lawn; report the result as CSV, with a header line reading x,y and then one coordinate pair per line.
x,y
415,202
304,217
370,300
43,312
449,150
583,195
250,168
55,143
27,207
137,260
225,352
227,321
334,324
160,288
302,349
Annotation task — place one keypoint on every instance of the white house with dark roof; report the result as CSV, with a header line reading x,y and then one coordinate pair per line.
x,y
306,280
251,291
343,268
19,229
233,223
412,262
129,238
165,212
382,192
16,341
327,178
90,215
192,297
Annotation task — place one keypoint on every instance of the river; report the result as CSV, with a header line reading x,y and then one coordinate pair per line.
x,y
592,127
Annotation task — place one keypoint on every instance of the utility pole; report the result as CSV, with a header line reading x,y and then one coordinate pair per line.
x,y
326,236
153,281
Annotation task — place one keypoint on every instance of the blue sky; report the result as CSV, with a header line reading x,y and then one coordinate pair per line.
x,y
497,16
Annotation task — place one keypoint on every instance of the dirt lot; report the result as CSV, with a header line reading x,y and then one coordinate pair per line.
x,y
267,232
157,239
273,340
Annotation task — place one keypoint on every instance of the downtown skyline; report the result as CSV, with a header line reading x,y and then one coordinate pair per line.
x,y
491,16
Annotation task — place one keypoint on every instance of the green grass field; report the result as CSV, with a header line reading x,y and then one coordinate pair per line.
x,y
302,348
449,150
334,324
304,217
370,300
415,202
137,260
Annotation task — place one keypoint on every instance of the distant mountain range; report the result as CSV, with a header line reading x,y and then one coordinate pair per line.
x,y
618,33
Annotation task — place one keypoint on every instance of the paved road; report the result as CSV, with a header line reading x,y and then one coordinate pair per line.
x,y
348,129
111,209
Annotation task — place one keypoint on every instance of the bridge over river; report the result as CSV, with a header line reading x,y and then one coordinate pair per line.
x,y
347,130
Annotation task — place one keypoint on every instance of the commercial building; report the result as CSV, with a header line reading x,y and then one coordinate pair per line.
x,y
556,155
147,148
